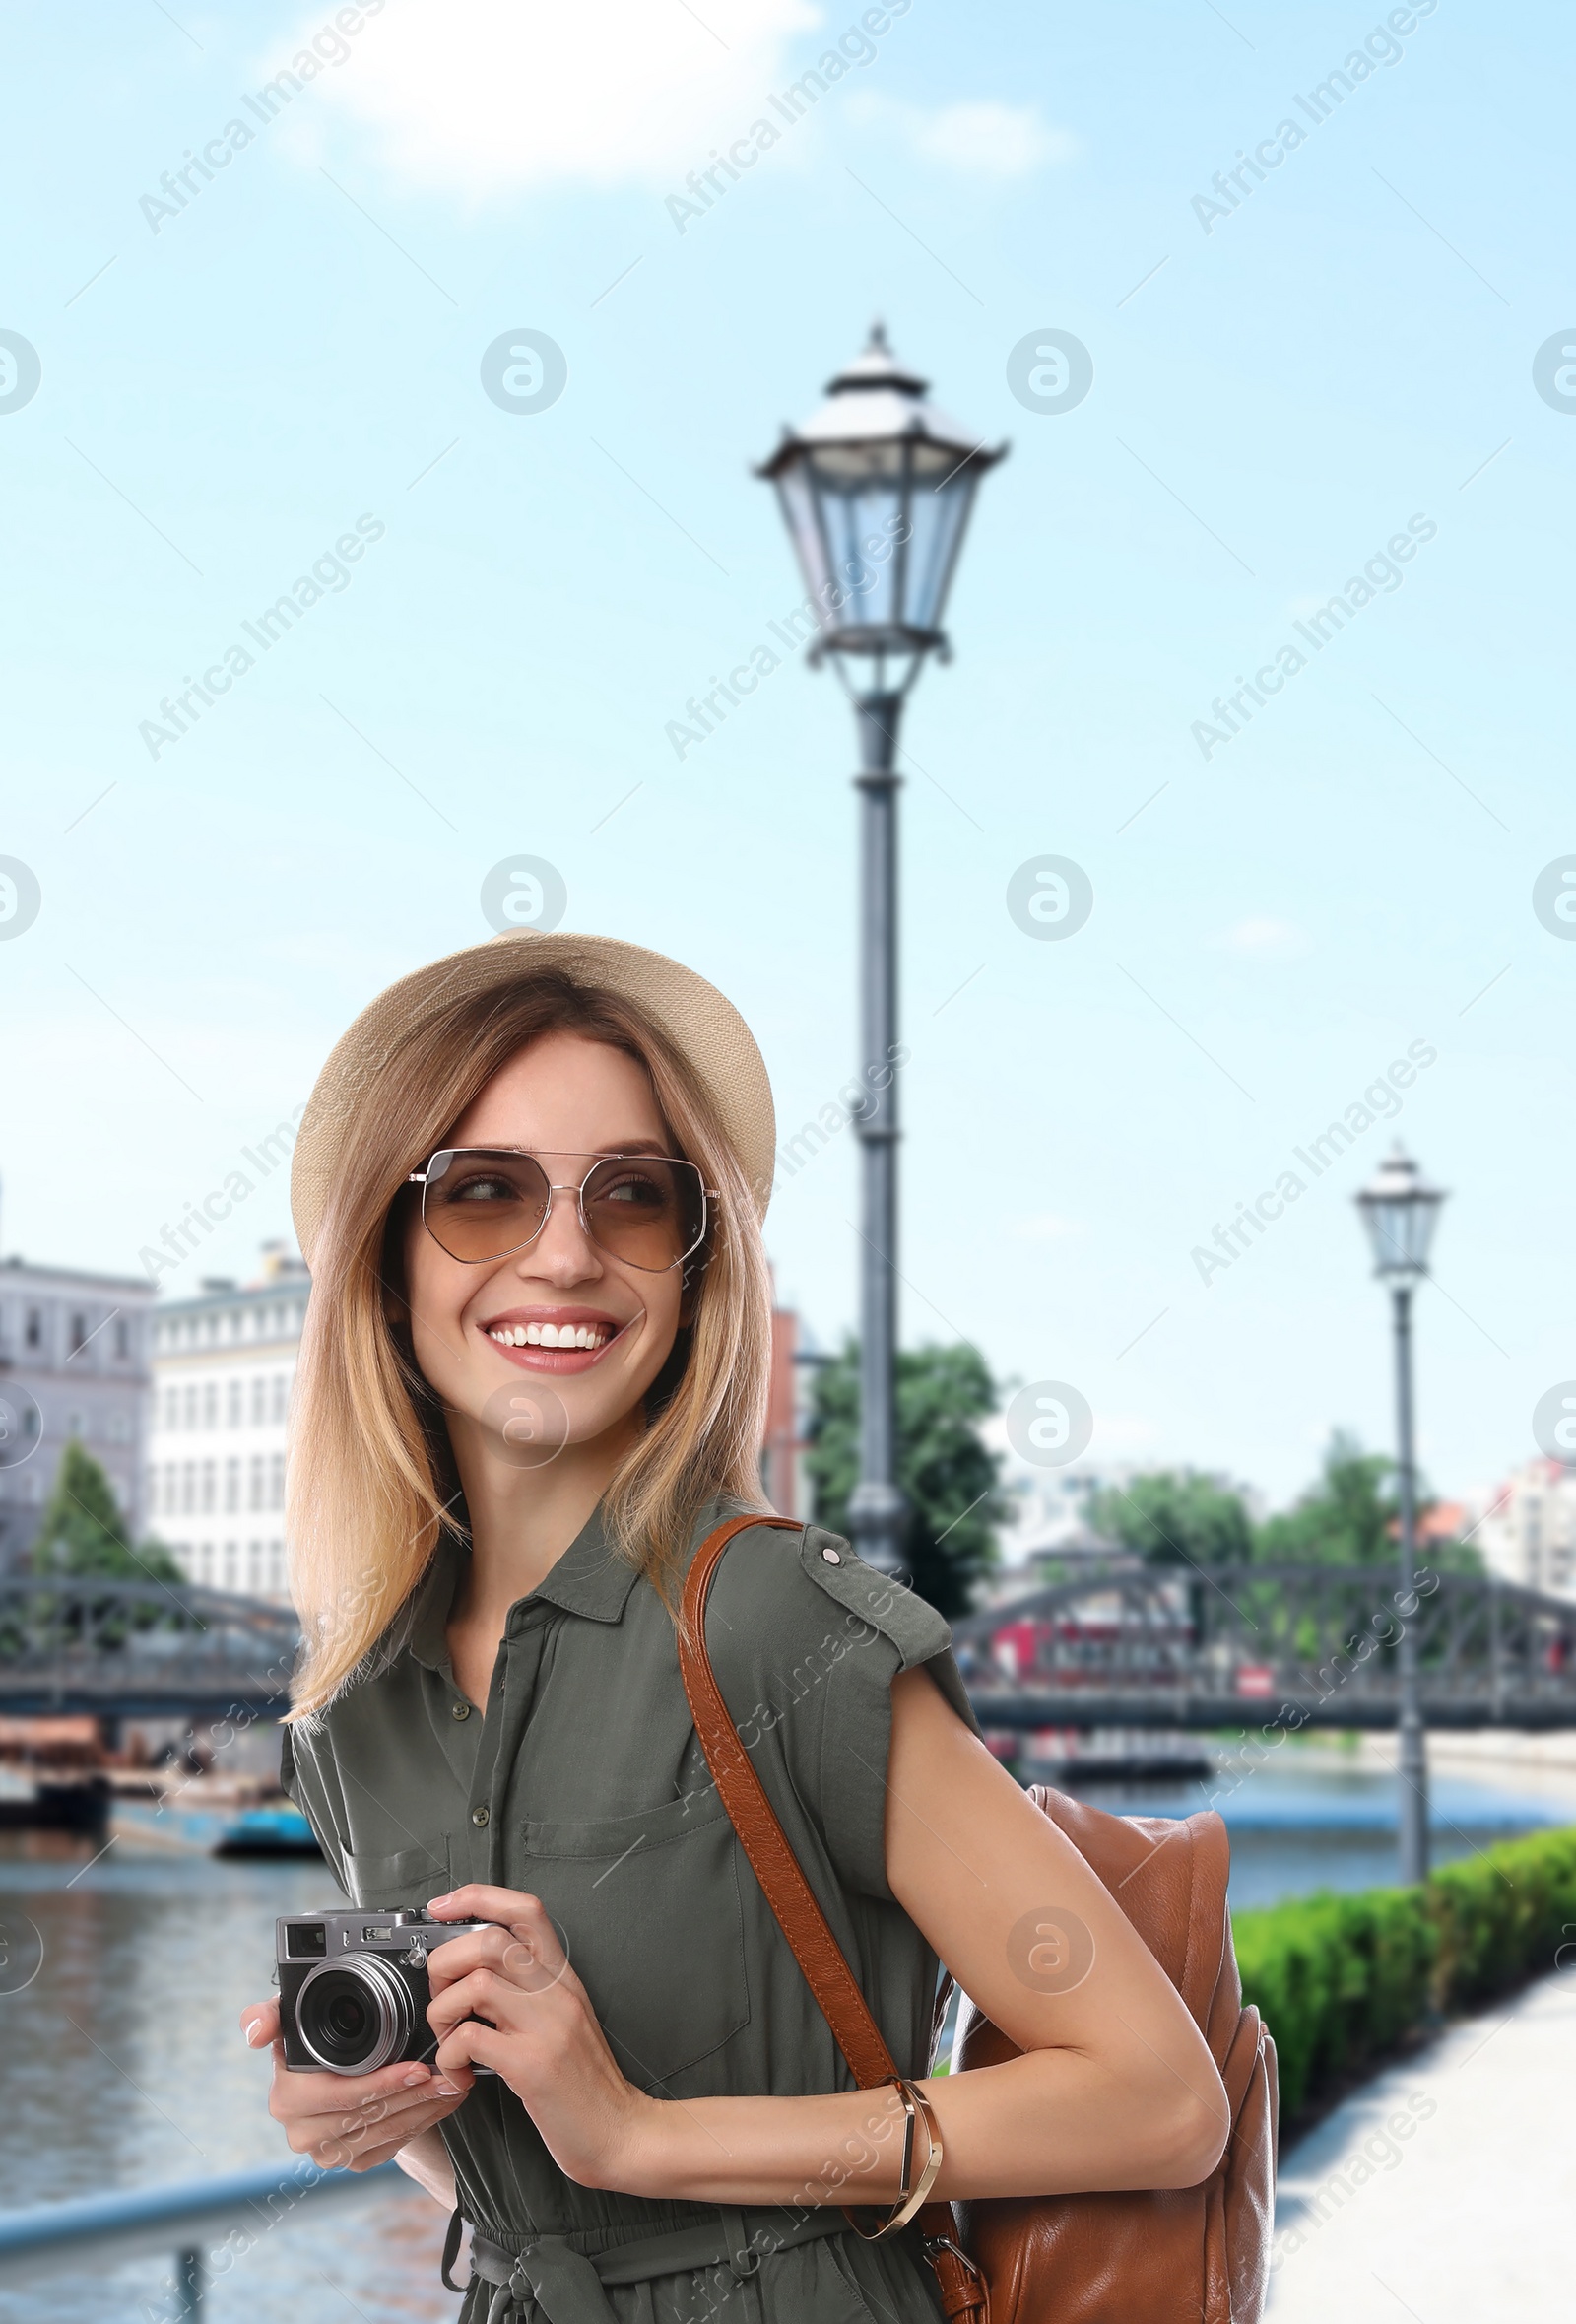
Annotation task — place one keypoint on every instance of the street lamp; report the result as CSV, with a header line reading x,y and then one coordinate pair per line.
x,y
876,491
1401,1210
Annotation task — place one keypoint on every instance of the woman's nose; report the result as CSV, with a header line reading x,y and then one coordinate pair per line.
x,y
563,1250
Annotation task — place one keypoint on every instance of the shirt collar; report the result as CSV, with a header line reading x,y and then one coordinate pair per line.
x,y
590,1580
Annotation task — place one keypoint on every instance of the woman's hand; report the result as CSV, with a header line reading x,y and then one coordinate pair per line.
x,y
352,2121
506,1997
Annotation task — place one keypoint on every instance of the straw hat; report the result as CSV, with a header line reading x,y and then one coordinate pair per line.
x,y
706,1030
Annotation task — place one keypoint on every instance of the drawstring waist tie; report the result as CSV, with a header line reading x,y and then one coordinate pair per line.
x,y
547,2277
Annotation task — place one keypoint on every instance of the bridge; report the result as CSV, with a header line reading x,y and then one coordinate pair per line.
x,y
1286,1646
140,1649
1128,1646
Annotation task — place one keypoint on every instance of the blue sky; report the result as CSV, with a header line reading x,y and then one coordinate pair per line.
x,y
1348,350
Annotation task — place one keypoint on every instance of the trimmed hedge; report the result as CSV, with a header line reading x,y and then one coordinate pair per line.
x,y
1341,1980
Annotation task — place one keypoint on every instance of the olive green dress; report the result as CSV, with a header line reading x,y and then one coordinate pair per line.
x,y
584,1783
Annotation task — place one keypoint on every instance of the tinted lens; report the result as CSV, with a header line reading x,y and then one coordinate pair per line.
x,y
480,1204
644,1210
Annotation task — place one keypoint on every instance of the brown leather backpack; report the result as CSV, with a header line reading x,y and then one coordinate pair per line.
x,y
1193,2255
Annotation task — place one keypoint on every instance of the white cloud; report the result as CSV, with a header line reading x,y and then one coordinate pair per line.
x,y
981,137
487,97
1276,939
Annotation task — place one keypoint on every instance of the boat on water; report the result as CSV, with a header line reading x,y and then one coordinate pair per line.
x,y
205,1816
30,1800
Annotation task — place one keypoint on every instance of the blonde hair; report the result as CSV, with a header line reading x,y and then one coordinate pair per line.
x,y
372,1484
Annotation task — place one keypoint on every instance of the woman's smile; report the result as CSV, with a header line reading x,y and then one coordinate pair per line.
x,y
545,1339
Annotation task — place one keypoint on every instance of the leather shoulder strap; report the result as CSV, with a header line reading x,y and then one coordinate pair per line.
x,y
762,1837
961,2287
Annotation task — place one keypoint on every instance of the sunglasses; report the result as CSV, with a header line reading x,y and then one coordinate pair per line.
x,y
483,1202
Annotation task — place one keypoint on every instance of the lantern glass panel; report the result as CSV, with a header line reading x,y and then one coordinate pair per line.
x,y
1401,1230
860,488
938,503
797,495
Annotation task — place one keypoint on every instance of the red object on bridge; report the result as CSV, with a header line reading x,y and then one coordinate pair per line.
x,y
1255,1678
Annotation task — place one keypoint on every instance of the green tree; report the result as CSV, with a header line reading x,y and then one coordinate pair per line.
x,y
1345,1518
1349,1518
1176,1517
946,1472
84,1531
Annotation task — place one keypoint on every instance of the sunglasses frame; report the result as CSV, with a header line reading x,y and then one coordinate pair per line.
x,y
708,1195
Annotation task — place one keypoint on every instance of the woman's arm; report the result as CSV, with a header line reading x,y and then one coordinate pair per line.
x,y
1117,2088
426,2159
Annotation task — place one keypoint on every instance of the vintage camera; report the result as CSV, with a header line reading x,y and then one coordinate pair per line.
x,y
353,1988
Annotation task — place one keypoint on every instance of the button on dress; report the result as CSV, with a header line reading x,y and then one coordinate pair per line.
x,y
584,1783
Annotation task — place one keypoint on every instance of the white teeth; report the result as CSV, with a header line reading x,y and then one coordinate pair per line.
x,y
551,1335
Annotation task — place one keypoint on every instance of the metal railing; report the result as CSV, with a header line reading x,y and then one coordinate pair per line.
x,y
207,2224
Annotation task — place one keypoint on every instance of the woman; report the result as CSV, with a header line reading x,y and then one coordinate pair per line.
x,y
530,1186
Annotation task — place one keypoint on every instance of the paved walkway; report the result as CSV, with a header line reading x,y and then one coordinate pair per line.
x,y
1445,2190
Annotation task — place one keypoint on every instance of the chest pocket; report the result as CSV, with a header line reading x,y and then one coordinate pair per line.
x,y
649,1907
408,1877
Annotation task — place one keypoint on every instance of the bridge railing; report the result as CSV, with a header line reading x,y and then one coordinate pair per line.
x,y
1489,1653
207,2225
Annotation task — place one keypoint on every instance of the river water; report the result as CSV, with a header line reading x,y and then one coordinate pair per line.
x,y
121,2064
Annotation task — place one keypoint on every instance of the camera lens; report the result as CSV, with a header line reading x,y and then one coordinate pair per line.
x,y
355,2015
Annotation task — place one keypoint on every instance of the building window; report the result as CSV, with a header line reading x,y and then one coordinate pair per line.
x,y
189,1486
208,1486
189,1408
254,1568
255,1491
172,1408
280,1406
34,1327
259,1402
233,1485
211,1406
79,1333
276,1567
275,1482
171,1496
122,1338
232,1565
233,1405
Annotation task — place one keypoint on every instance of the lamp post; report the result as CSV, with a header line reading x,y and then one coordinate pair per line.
x,y
876,489
1401,1210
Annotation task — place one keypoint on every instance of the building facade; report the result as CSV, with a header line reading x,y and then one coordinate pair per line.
x,y
74,1363
782,1458
1528,1532
222,1366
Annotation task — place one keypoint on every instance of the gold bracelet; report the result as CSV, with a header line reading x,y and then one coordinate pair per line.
x,y
909,2202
